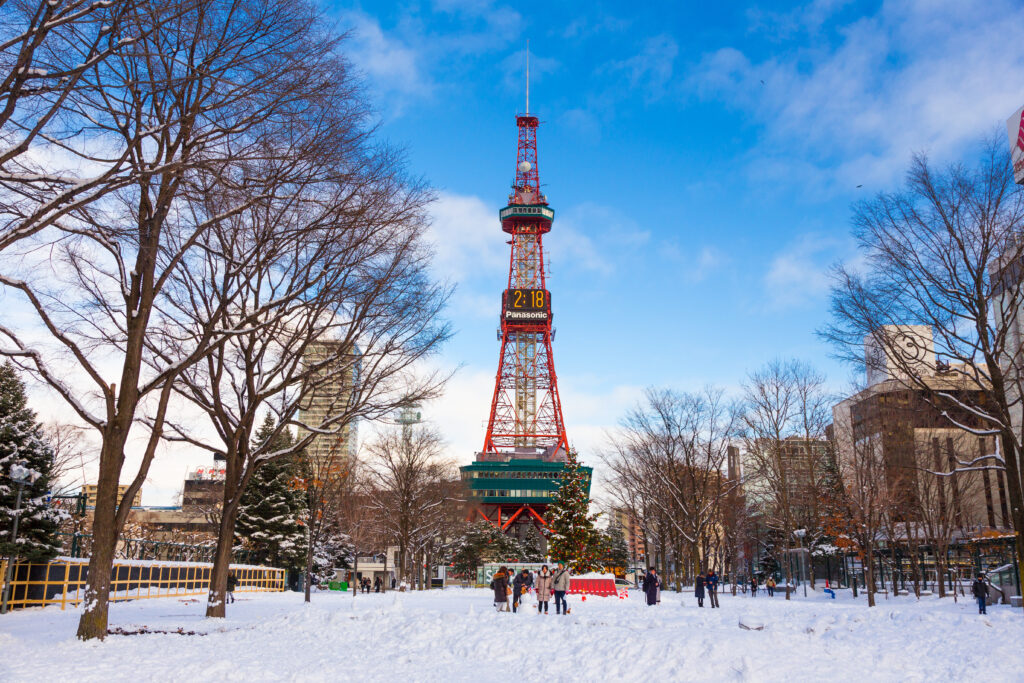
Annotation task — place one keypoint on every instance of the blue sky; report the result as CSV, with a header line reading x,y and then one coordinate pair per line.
x,y
702,161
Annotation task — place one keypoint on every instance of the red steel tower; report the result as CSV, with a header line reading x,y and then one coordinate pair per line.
x,y
519,469
526,413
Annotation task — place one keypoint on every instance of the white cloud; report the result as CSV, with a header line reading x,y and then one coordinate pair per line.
x,y
651,69
931,76
391,64
593,237
798,275
467,237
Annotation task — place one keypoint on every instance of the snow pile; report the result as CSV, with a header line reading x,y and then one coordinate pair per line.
x,y
455,635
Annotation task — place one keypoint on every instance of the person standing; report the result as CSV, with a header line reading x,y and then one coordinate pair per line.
x,y
980,591
698,589
560,586
770,585
753,586
376,585
499,584
652,584
232,585
712,585
543,586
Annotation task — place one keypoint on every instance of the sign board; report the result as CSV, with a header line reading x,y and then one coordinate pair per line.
x,y
526,305
485,573
1015,131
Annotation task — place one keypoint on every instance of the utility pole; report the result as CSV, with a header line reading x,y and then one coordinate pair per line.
x,y
21,476
800,533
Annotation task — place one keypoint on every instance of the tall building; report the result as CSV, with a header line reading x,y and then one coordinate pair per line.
x,y
912,430
630,526
330,396
90,491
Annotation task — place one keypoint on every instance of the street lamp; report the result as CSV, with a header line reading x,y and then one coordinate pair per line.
x,y
21,476
800,533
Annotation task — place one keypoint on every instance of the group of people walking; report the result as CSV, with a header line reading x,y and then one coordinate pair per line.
x,y
545,583
365,585
769,585
704,585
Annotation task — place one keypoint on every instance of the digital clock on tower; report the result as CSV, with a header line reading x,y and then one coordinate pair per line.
x,y
526,305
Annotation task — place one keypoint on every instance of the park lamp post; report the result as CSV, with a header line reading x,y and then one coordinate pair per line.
x,y
800,533
21,476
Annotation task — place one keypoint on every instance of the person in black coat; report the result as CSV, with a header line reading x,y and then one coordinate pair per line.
x,y
980,591
499,584
232,585
651,585
753,586
698,589
520,585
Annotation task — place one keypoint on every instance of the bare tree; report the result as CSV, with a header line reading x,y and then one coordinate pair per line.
x,y
333,309
196,101
48,50
358,520
868,498
72,455
667,462
945,251
326,483
784,421
409,474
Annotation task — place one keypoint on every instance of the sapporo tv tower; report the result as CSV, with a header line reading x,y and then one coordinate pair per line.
x,y
520,466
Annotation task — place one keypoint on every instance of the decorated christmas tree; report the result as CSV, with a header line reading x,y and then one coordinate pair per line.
x,y
573,538
21,443
270,514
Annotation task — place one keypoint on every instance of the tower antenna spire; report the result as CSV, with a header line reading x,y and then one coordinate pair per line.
x,y
527,75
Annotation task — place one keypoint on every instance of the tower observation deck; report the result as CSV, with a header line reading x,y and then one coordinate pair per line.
x,y
519,468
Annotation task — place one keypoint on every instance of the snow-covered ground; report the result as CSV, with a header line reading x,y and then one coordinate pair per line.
x,y
455,635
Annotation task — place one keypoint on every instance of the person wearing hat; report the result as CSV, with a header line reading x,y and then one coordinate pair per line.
x,y
652,586
560,585
980,590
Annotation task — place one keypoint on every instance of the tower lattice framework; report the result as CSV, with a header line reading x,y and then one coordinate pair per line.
x,y
526,411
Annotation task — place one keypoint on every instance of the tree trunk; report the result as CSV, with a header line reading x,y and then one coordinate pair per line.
x,y
1013,486
93,622
869,575
309,566
789,568
355,577
215,604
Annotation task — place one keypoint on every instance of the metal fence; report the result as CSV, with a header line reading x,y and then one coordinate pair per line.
x,y
80,545
62,581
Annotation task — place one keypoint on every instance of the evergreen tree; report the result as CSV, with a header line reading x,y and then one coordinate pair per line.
x,y
270,513
482,542
614,549
21,442
533,544
573,538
